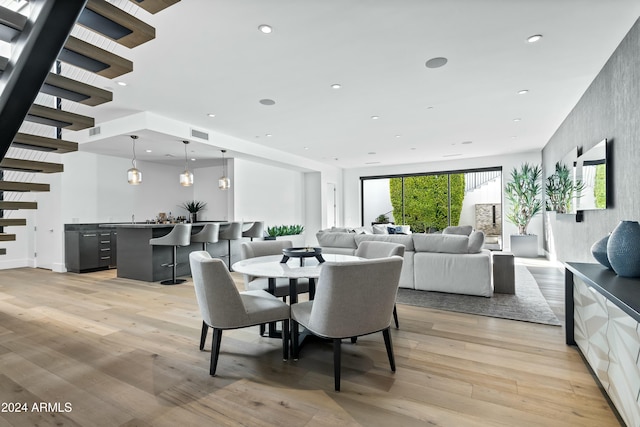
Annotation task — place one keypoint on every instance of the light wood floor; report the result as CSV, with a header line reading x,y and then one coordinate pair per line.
x,y
125,353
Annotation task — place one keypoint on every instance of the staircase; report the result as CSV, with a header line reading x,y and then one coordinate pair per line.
x,y
53,48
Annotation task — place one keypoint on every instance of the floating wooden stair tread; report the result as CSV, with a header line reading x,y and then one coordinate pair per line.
x,y
154,6
11,24
115,24
10,206
58,118
5,237
91,58
30,166
43,143
73,90
10,222
23,187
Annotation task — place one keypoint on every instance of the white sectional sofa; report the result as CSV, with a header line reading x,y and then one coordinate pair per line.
x,y
453,263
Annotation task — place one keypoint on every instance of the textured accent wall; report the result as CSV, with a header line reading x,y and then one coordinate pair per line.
x,y
610,108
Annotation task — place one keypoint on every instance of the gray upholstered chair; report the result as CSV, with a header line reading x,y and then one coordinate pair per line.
x,y
256,231
208,234
374,249
180,235
229,232
266,248
223,307
352,299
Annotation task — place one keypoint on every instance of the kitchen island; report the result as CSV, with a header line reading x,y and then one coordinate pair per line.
x,y
139,260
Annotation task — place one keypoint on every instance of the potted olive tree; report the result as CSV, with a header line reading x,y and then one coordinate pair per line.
x,y
523,192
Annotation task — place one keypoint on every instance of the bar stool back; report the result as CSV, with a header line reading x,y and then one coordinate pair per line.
x,y
232,231
208,234
179,236
255,231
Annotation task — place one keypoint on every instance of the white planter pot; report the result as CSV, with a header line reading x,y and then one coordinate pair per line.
x,y
524,245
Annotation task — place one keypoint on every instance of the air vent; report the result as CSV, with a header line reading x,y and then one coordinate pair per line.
x,y
199,134
94,131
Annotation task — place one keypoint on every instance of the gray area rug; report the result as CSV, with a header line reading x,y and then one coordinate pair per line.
x,y
528,304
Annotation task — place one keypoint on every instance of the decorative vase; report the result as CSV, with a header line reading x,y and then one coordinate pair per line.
x,y
623,249
193,217
599,252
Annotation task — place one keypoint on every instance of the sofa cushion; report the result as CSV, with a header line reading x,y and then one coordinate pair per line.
x,y
338,240
380,229
460,274
476,241
463,230
442,243
402,239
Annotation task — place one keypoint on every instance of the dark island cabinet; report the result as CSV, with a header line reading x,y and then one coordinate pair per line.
x,y
90,249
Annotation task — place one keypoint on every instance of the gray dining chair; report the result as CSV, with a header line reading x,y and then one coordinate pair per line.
x,y
256,231
223,307
266,248
180,235
208,234
375,249
229,232
352,299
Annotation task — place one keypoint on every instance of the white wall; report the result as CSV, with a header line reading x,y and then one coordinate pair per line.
x,y
352,197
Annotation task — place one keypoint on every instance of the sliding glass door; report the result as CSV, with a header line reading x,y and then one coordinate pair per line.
x,y
430,202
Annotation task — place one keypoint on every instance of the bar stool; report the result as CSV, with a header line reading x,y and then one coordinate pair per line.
x,y
232,231
208,234
179,236
255,231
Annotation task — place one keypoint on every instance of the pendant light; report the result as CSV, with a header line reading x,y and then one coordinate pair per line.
x,y
224,183
186,177
134,176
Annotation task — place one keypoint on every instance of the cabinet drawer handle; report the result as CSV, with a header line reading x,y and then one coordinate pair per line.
x,y
105,241
106,249
105,257
89,235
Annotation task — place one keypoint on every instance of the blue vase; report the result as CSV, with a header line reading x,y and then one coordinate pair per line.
x,y
599,252
623,249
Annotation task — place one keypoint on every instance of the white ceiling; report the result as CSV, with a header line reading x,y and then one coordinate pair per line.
x,y
209,57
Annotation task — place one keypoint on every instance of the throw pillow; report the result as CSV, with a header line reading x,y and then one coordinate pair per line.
x,y
463,230
476,241
380,229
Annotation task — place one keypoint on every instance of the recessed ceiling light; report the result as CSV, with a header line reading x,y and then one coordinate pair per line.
x,y
375,117
517,119
513,137
371,152
534,38
412,148
265,28
211,115
467,142
336,86
436,62
398,136
429,108
268,135
148,151
306,148
523,91
193,160
122,83
267,101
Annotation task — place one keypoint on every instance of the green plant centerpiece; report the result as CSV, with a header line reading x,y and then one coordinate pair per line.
x,y
561,189
382,219
284,230
193,207
523,192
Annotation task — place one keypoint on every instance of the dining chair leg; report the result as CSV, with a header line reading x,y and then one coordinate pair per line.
x,y
395,316
387,342
285,339
262,328
203,335
354,340
215,350
294,339
337,342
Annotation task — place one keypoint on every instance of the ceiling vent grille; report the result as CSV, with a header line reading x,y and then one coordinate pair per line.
x,y
199,134
94,131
